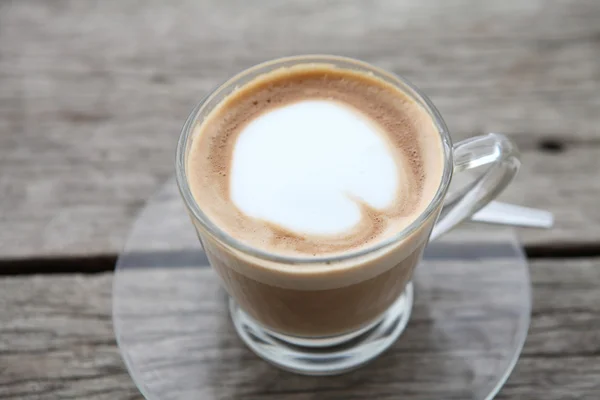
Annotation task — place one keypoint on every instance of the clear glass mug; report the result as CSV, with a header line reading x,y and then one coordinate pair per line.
x,y
327,315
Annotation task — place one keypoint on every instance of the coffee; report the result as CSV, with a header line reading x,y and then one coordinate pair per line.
x,y
314,161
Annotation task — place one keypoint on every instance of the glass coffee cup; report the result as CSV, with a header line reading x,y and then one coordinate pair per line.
x,y
327,314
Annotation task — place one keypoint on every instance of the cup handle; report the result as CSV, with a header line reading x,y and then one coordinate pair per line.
x,y
501,156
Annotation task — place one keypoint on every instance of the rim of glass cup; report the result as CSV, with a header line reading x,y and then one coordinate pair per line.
x,y
402,83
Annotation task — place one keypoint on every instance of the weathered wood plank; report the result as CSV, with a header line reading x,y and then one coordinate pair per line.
x,y
92,96
56,342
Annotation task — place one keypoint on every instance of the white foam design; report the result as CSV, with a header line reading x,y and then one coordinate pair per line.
x,y
301,165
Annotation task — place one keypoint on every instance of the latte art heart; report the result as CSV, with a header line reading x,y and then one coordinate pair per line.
x,y
303,166
314,160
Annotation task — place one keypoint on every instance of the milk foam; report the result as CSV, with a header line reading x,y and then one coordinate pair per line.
x,y
314,160
307,166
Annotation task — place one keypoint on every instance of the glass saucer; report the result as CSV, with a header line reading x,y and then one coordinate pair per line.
x,y
469,321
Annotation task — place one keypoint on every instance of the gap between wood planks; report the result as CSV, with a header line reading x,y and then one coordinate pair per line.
x,y
106,262
91,264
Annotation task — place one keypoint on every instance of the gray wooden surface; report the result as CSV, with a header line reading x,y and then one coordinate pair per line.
x,y
57,340
93,94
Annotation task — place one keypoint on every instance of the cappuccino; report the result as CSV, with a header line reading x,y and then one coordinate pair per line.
x,y
315,160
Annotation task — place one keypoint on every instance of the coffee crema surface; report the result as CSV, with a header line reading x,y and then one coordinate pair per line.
x,y
315,160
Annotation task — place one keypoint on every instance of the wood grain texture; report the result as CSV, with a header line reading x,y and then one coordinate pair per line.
x,y
57,342
93,95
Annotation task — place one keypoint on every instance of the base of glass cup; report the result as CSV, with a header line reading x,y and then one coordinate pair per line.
x,y
325,356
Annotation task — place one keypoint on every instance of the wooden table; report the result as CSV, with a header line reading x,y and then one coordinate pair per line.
x,y
93,95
